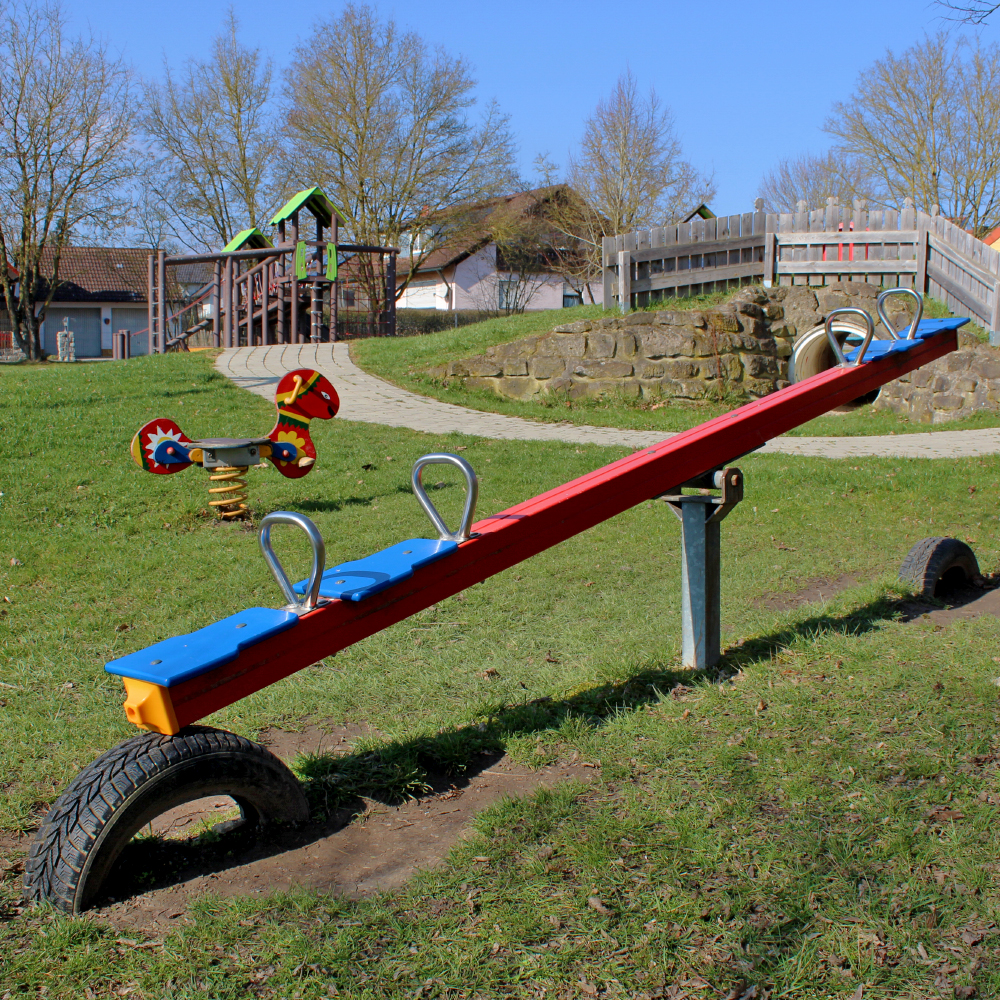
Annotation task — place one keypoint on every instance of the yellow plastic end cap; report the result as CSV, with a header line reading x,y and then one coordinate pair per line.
x,y
148,706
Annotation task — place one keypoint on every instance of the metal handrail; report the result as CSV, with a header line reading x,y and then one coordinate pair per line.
x,y
835,344
319,558
471,496
918,314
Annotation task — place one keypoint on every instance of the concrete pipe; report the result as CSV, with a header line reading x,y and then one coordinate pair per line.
x,y
813,354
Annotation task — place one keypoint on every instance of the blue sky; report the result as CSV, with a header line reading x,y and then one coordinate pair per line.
x,y
749,82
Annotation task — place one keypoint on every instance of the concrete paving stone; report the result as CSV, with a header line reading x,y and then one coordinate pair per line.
x,y
371,400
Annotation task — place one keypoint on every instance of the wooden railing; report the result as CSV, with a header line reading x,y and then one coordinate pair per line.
x,y
891,249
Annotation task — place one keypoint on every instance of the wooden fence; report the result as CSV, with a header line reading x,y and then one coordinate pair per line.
x,y
838,243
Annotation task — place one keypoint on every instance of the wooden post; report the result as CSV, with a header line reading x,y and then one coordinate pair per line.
x,y
390,295
150,304
296,337
265,303
624,280
216,300
249,303
607,270
920,278
770,249
279,276
227,303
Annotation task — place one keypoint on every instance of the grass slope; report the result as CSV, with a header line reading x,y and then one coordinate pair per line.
x,y
404,362
819,815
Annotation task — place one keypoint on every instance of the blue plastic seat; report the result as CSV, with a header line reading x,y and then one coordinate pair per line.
x,y
356,580
184,656
927,328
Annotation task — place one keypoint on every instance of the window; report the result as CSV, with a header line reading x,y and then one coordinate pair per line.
x,y
508,295
571,299
347,296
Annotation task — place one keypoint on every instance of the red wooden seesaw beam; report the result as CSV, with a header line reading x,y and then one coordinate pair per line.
x,y
505,539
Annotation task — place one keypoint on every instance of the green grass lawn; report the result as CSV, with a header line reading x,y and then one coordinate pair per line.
x,y
404,361
820,814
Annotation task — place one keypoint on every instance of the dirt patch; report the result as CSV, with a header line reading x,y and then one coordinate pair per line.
x,y
964,605
350,855
813,591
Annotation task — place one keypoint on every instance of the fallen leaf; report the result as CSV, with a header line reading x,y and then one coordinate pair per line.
x,y
556,923
544,852
970,937
461,447
922,951
490,672
965,992
944,814
550,658
590,583
858,993
481,858
589,988
122,628
16,562
595,904
761,705
368,467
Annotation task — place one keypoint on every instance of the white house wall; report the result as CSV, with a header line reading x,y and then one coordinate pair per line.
x,y
473,284
93,325
426,293
475,281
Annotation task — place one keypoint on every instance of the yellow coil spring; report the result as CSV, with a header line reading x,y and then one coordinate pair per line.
x,y
230,504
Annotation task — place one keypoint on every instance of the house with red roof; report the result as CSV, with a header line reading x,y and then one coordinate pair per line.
x,y
100,290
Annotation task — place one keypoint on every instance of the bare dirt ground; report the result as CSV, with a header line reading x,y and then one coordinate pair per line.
x,y
351,854
964,604
815,591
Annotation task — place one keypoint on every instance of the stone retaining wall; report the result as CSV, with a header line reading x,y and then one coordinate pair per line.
x,y
964,382
737,349
687,355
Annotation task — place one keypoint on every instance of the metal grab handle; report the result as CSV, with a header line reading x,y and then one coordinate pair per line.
x,y
918,315
299,606
838,352
472,494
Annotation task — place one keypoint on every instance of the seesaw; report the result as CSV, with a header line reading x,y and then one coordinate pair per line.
x,y
174,683
161,447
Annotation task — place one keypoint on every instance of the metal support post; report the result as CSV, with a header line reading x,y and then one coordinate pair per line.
x,y
701,544
390,295
161,302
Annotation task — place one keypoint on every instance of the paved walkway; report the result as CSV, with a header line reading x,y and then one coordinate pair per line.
x,y
371,400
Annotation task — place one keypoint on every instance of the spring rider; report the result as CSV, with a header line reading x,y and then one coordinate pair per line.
x,y
163,448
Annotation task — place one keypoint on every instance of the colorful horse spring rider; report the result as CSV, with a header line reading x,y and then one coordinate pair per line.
x,y
163,448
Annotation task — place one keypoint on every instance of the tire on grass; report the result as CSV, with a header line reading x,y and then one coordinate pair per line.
x,y
936,566
111,799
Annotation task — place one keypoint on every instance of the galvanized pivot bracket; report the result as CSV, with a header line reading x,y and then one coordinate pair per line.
x,y
700,515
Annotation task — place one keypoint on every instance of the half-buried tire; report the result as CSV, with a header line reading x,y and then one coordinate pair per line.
x,y
936,566
124,789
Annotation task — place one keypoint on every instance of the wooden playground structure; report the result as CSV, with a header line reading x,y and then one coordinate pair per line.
x,y
262,292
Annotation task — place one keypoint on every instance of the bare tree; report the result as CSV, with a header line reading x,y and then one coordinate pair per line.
x,y
66,112
813,179
629,173
925,124
383,125
214,135
971,11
